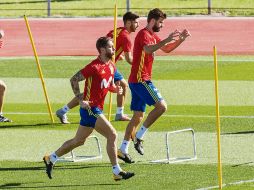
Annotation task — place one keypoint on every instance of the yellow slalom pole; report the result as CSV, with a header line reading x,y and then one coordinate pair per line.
x,y
39,69
110,94
217,116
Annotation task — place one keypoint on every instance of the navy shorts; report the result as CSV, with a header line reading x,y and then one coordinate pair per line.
x,y
117,76
89,116
143,93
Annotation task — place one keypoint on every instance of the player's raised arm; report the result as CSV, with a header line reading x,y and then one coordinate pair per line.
x,y
172,37
175,43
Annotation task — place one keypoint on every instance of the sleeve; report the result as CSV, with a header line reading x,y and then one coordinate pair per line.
x,y
87,71
127,44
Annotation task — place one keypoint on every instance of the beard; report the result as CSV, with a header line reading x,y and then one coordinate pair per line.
x,y
156,28
109,55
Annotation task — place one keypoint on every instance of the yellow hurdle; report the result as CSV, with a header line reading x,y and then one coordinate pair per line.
x,y
39,69
110,94
217,116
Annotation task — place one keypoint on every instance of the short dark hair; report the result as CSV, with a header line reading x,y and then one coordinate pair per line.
x,y
129,16
156,14
102,42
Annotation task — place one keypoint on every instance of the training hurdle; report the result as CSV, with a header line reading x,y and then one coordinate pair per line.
x,y
170,159
75,158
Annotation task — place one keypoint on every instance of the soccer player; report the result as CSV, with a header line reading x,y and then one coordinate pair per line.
x,y
123,45
2,92
3,88
1,36
98,76
142,89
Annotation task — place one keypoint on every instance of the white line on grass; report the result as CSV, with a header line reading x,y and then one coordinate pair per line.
x,y
223,185
165,115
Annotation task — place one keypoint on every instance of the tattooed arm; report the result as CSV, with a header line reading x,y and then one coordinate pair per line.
x,y
75,87
75,84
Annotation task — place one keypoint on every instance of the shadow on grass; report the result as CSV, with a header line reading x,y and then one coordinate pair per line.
x,y
40,1
19,186
58,167
243,164
6,126
238,133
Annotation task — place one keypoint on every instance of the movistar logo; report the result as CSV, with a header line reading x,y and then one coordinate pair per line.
x,y
105,83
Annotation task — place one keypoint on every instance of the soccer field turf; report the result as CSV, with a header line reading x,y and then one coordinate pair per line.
x,y
188,87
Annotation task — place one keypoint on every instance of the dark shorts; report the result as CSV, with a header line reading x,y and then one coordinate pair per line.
x,y
117,76
143,93
89,116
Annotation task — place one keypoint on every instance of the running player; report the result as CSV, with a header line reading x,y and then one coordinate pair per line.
x,y
3,88
123,45
98,76
142,89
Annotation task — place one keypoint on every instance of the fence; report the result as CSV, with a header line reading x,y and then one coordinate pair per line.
x,y
69,8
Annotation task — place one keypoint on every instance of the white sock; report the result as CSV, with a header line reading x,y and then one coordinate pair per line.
x,y
1,113
119,110
65,109
141,133
116,169
53,157
125,146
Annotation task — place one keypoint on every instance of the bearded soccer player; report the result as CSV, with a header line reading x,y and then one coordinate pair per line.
x,y
142,89
123,45
98,76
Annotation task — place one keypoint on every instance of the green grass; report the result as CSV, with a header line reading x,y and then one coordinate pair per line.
x,y
72,8
174,68
18,175
185,81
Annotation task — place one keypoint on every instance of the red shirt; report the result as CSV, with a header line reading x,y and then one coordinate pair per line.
x,y
123,41
141,69
99,77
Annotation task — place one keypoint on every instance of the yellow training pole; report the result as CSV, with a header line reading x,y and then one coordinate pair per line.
x,y
39,69
110,94
217,116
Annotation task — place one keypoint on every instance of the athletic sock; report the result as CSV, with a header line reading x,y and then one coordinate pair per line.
x,y
65,109
125,146
119,110
53,157
141,133
116,169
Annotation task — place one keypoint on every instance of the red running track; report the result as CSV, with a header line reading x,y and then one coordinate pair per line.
x,y
77,36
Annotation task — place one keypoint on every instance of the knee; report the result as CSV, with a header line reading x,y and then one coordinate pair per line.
x,y
113,136
162,107
124,84
3,86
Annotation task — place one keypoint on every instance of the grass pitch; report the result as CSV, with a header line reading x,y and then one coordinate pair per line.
x,y
187,85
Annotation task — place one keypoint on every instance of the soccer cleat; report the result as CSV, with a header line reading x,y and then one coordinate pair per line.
x,y
49,166
62,116
121,117
138,145
4,119
123,175
125,157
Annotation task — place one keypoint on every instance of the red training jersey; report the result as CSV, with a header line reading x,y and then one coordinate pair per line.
x,y
141,69
99,77
123,41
